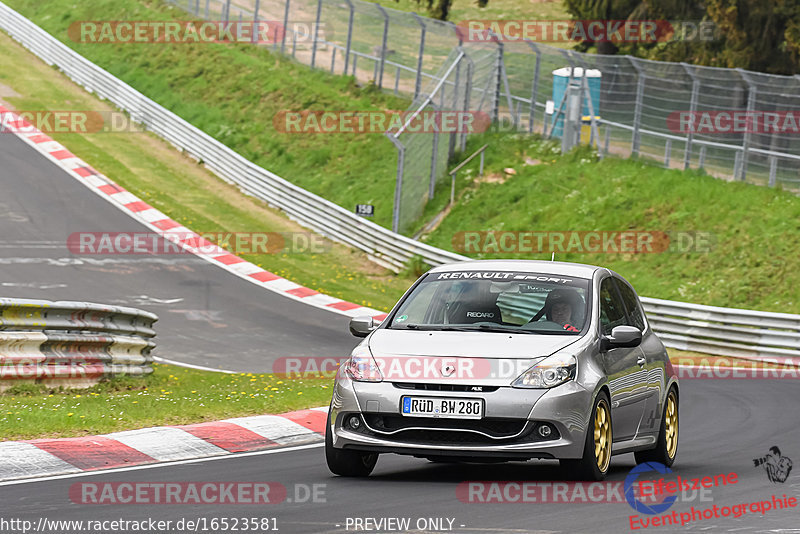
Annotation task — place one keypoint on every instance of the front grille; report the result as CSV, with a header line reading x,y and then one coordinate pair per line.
x,y
445,387
415,428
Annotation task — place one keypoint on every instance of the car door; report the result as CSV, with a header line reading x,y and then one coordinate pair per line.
x,y
652,350
627,377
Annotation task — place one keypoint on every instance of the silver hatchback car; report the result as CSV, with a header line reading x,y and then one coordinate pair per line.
x,y
507,360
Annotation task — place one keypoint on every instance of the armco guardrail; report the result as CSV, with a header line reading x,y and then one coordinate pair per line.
x,y
72,343
723,331
387,248
752,335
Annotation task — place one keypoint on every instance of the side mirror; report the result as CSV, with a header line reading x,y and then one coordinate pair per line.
x,y
362,326
621,337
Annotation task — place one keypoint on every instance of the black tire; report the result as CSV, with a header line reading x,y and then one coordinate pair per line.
x,y
587,468
664,452
347,463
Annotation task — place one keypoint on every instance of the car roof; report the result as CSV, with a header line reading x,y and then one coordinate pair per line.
x,y
578,270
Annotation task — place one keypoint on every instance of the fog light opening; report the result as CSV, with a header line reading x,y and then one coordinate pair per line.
x,y
545,431
354,422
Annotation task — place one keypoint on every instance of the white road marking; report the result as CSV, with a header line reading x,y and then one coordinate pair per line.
x,y
163,464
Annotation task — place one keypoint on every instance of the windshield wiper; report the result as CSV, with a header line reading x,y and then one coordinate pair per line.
x,y
501,328
475,328
440,327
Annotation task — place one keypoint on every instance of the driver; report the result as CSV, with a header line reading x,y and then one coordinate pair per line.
x,y
561,306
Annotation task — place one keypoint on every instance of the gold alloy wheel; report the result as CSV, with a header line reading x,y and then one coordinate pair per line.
x,y
671,420
602,436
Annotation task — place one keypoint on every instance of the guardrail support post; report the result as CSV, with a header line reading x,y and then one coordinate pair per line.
x,y
667,152
422,32
702,159
383,44
333,59
316,27
606,142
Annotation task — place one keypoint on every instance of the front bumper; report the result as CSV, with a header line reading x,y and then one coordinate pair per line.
x,y
508,430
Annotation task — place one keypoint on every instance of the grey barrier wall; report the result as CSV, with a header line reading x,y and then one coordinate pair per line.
x,y
72,343
714,330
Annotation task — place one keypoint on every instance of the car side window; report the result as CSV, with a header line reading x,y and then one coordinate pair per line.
x,y
636,317
612,311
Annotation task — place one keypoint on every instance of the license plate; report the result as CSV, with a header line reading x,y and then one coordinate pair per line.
x,y
442,407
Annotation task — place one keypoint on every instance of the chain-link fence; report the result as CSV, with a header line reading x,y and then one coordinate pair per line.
x,y
639,102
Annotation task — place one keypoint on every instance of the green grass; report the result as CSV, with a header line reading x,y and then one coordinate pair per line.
x,y
185,191
170,396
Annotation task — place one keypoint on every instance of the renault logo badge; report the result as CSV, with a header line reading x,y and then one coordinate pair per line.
x,y
448,370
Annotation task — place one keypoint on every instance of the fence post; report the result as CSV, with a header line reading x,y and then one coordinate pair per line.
x,y
422,32
606,142
746,140
495,113
637,112
434,157
398,186
316,26
535,85
383,44
467,96
687,154
285,24
349,37
587,94
205,16
451,146
773,170
434,154
227,10
254,39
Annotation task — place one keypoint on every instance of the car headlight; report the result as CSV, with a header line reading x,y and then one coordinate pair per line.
x,y
362,367
548,373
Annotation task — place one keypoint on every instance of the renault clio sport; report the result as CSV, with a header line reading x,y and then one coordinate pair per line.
x,y
507,360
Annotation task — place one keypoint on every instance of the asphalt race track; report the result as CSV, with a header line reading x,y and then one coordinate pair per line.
x,y
724,425
208,316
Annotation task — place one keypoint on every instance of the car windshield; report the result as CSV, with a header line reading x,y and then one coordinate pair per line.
x,y
496,301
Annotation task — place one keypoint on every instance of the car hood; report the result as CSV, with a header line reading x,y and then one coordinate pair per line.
x,y
479,357
385,342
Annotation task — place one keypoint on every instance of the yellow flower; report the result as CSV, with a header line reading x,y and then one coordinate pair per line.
x,y
70,414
